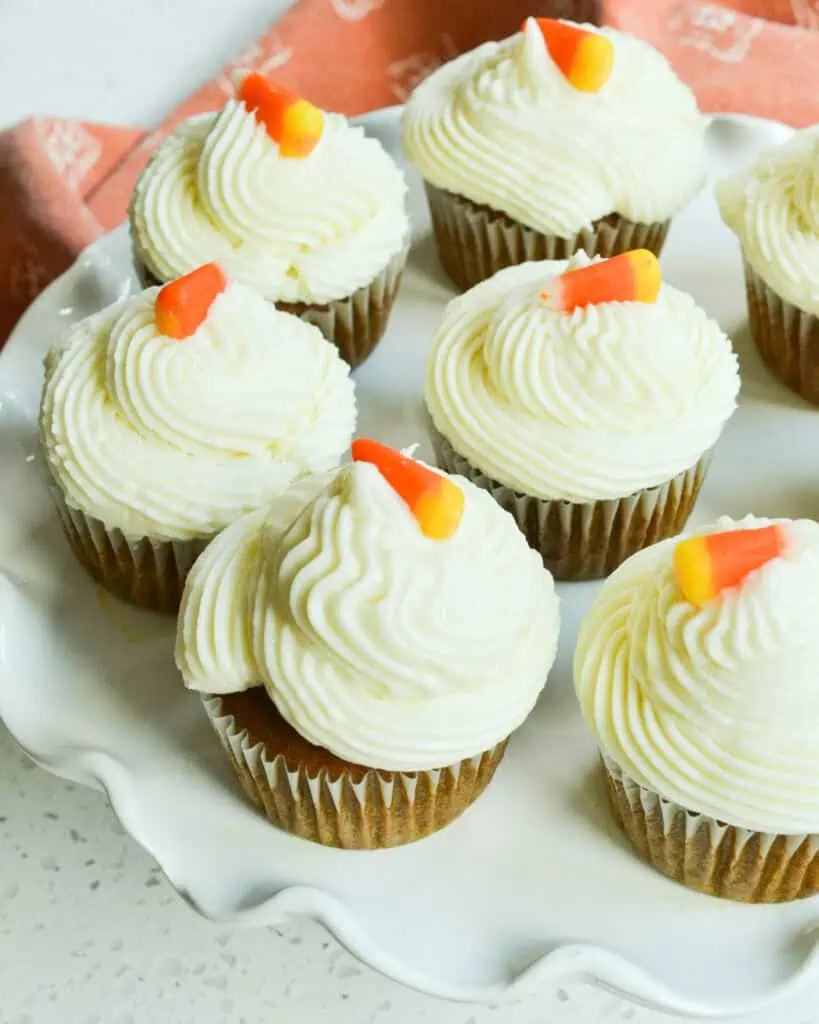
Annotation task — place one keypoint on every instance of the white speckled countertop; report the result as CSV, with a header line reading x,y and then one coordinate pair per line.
x,y
90,932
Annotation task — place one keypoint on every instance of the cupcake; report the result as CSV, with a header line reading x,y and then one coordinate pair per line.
x,y
586,397
696,669
556,139
773,208
365,647
172,413
298,204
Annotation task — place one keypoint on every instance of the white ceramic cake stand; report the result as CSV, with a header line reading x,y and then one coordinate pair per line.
x,y
534,886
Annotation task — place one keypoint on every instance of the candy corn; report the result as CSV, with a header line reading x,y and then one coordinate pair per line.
x,y
584,58
630,277
182,305
434,500
705,566
290,121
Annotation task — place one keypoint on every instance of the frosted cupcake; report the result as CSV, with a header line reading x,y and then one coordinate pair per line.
x,y
556,139
696,668
366,646
298,204
773,208
167,416
586,397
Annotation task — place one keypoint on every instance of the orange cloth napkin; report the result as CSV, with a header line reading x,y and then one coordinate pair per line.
x,y
65,183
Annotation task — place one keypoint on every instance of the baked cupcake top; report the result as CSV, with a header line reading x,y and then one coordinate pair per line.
x,y
773,208
388,647
711,699
173,437
504,126
297,227
591,404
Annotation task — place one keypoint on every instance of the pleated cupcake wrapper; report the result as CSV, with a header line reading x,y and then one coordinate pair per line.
x,y
709,856
587,541
357,811
355,324
474,242
787,337
149,573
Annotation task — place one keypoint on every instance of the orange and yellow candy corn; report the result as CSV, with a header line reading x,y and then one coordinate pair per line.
x,y
290,121
705,566
182,305
585,59
630,277
434,500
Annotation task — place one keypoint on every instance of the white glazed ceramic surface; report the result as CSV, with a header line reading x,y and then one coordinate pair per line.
x,y
534,886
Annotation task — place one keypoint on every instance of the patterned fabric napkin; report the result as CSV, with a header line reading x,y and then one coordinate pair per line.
x,y
65,183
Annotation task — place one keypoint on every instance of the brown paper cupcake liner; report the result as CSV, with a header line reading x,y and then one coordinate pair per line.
x,y
149,573
709,856
357,323
587,541
354,324
312,794
474,241
787,337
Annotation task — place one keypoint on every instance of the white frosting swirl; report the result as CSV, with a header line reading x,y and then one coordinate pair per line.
x,y
387,648
715,708
175,439
502,126
773,207
297,230
595,404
